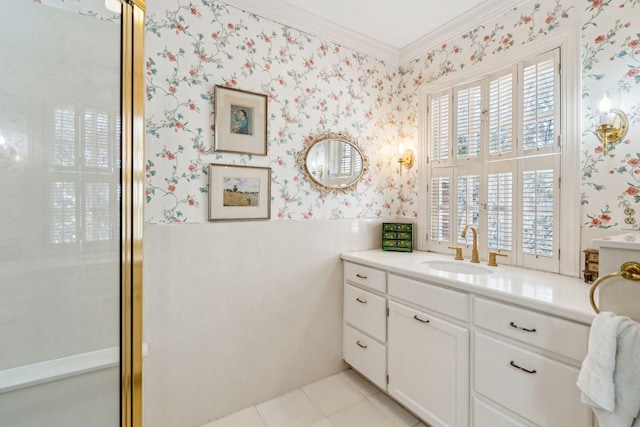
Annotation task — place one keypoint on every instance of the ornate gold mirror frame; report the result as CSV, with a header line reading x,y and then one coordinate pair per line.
x,y
333,162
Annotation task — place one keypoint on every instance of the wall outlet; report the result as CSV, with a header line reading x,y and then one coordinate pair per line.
x,y
630,217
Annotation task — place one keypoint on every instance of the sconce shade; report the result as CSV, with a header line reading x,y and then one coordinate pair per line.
x,y
614,129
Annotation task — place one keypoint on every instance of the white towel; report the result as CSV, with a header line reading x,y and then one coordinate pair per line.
x,y
610,375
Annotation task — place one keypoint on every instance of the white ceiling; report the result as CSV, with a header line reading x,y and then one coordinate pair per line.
x,y
396,31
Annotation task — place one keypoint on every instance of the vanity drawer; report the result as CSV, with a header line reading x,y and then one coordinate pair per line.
x,y
437,298
365,355
547,332
365,276
547,394
366,311
485,415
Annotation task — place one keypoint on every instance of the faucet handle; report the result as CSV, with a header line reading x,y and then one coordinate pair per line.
x,y
458,252
492,258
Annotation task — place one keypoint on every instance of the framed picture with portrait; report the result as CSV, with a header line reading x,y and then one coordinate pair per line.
x,y
240,121
239,192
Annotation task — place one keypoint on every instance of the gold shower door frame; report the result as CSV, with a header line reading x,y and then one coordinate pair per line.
x,y
132,182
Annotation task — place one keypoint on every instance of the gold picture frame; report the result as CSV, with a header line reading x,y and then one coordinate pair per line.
x,y
240,119
239,192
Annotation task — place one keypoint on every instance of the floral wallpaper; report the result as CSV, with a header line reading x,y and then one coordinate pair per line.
x,y
610,61
314,85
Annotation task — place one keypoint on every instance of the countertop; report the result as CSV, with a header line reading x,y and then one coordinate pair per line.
x,y
622,241
563,296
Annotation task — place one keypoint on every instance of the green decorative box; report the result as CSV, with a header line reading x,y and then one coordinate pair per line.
x,y
397,237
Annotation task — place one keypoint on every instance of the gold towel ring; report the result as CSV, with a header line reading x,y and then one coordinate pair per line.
x,y
628,270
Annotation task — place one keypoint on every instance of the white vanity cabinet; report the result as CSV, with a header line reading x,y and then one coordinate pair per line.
x,y
428,354
365,322
428,365
459,353
527,363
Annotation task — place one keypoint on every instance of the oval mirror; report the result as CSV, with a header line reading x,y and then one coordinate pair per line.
x,y
333,162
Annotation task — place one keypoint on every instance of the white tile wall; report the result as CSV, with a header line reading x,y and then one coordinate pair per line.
x,y
238,312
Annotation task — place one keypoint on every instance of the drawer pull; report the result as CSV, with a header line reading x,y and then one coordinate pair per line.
x,y
361,301
513,325
512,363
361,276
360,344
419,319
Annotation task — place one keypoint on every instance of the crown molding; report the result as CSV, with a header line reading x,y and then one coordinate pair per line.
x,y
471,19
294,17
306,22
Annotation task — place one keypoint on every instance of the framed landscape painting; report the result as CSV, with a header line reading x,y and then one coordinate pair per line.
x,y
239,192
240,121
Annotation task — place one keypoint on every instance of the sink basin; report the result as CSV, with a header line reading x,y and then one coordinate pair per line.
x,y
457,267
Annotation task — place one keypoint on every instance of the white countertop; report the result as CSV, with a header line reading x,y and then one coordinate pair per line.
x,y
621,241
555,294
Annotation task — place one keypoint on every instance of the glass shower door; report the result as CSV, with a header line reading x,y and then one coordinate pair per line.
x,y
60,166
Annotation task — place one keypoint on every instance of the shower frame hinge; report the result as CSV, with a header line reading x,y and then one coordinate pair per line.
x,y
387,311
387,378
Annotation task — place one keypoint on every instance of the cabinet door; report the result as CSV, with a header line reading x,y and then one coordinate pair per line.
x,y
428,366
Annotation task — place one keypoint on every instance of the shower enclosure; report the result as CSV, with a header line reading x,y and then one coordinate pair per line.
x,y
70,212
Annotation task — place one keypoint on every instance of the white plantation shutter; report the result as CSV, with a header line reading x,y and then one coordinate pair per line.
x,y
539,204
468,121
63,148
540,109
96,139
500,204
439,127
500,114
504,177
356,160
467,205
440,208
97,225
63,213
81,156
537,212
333,158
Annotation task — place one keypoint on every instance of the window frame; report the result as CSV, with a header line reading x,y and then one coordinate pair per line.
x,y
568,42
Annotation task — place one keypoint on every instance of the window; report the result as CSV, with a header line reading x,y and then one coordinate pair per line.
x,y
495,163
84,175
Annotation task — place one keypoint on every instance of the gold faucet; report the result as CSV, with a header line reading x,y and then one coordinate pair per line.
x,y
474,250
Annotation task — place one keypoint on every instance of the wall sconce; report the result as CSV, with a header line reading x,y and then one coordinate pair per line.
x,y
406,158
114,6
612,123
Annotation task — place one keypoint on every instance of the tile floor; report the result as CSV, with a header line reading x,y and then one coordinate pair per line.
x,y
342,400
